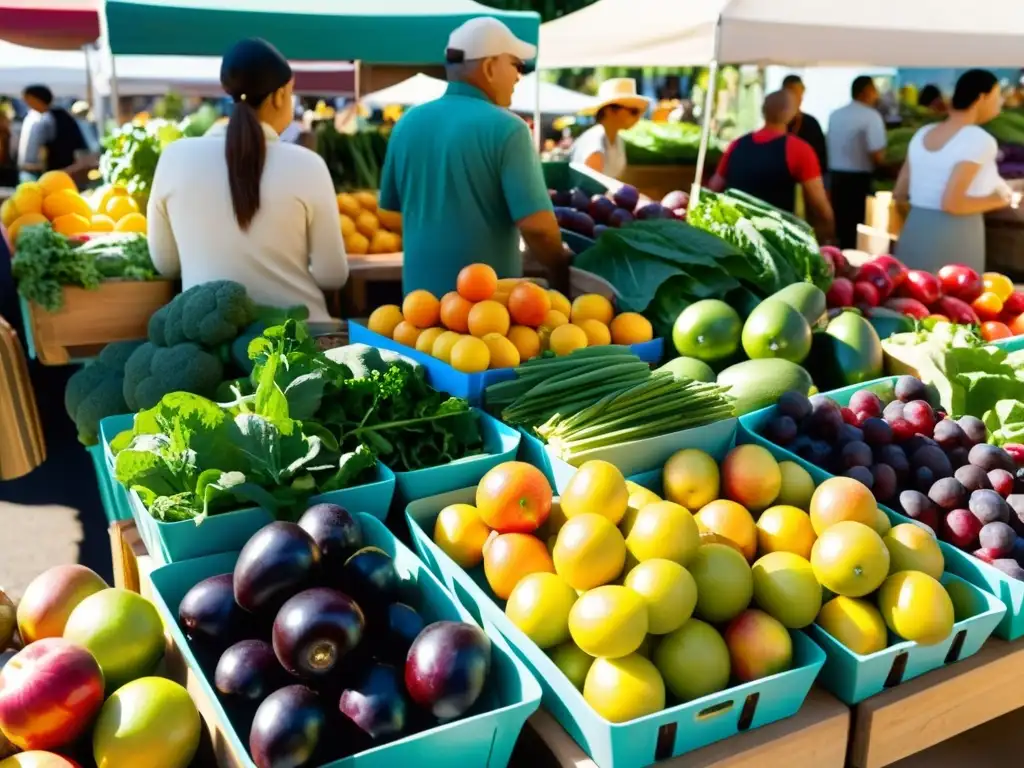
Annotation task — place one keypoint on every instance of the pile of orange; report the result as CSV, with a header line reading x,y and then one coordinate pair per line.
x,y
365,227
55,199
497,323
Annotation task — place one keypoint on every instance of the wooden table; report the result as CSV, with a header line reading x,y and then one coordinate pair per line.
x,y
365,269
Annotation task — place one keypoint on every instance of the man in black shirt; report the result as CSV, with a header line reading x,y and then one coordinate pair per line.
x,y
805,126
50,136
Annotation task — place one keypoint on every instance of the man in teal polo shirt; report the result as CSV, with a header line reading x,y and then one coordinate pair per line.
x,y
463,172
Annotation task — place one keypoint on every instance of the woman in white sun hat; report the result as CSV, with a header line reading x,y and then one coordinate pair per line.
x,y
618,108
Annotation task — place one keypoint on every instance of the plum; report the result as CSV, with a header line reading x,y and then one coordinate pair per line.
x,y
856,454
335,531
910,388
627,196
676,199
877,432
885,482
848,434
370,577
957,311
850,417
403,626
901,429
314,632
1018,549
581,223
795,405
974,428
877,276
961,528
819,452
861,474
990,457
600,208
653,211
563,215
917,441
447,668
920,416
825,419
840,293
560,198
1009,567
1015,501
578,199
997,538
895,457
909,307
781,430
249,671
933,458
599,229
972,478
989,507
376,704
915,503
893,410
949,435
866,294
619,217
288,728
923,479
948,494
1002,482
278,561
1015,451
957,457
209,614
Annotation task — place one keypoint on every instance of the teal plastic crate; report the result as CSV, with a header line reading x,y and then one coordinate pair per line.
x,y
671,732
565,175
632,457
112,496
470,386
1012,344
979,573
501,442
484,738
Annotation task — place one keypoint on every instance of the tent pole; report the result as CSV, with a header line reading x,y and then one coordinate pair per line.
x,y
115,101
538,136
709,107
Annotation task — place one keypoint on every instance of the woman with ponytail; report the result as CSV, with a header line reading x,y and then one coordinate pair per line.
x,y
238,204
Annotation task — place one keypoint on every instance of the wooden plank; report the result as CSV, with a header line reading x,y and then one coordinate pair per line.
x,y
935,707
815,736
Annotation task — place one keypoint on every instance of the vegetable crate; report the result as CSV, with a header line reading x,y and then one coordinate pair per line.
x,y
470,386
485,737
979,573
1012,344
119,310
112,495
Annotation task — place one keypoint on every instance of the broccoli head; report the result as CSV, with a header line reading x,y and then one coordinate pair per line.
x,y
152,372
210,314
96,391
155,330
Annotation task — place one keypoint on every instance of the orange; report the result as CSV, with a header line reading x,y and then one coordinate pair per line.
x,y
357,243
477,282
384,319
730,521
785,529
348,226
25,220
108,194
390,220
8,212
988,305
592,306
132,222
426,339
442,348
597,332
488,317
71,224
367,200
422,309
28,198
64,202
528,304
406,333
102,223
559,302
55,181
1017,325
120,205
514,497
509,557
470,355
503,352
367,224
998,284
631,328
553,319
384,242
567,338
455,312
348,205
461,534
526,341
993,330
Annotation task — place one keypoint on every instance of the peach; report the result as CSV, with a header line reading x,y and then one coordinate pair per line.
x,y
759,646
51,597
751,477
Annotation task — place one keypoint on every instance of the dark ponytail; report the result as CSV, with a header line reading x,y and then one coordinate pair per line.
x,y
972,85
251,72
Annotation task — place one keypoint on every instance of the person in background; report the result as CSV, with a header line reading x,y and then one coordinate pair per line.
x,y
83,118
50,137
8,164
770,162
856,145
950,179
805,126
464,173
618,108
930,98
238,204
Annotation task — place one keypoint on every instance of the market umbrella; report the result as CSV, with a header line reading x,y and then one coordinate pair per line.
x,y
51,24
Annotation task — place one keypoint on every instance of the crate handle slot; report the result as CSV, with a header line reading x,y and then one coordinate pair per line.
x,y
714,710
899,666
666,746
956,647
467,602
747,713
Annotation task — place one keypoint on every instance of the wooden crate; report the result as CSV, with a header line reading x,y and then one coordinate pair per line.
x,y
119,310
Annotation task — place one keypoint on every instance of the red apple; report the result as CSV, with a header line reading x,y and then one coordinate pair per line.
x,y
836,258
1014,304
961,282
878,277
957,311
893,268
921,285
51,597
36,759
910,307
865,293
840,294
49,694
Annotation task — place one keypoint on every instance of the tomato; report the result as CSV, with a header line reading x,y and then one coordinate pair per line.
x,y
988,306
990,331
998,284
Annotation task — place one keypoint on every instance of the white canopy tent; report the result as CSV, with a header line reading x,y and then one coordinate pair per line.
x,y
420,88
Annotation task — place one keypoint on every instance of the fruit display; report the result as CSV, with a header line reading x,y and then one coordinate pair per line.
x,y
76,685
365,227
589,400
487,323
591,215
319,648
956,293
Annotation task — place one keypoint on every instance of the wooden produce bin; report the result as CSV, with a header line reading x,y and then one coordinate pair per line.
x,y
656,181
119,310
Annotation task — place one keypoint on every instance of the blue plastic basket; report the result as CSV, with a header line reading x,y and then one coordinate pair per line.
x,y
631,457
1012,344
979,573
501,443
470,386
484,738
673,731
112,496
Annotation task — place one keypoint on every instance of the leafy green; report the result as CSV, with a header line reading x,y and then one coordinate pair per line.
x,y
1005,422
123,256
650,143
44,262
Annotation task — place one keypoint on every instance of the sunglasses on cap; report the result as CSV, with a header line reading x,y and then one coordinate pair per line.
x,y
455,56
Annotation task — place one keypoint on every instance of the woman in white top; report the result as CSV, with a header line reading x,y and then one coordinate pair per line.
x,y
618,108
950,180
238,204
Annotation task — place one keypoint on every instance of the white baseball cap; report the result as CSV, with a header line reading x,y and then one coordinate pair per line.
x,y
484,37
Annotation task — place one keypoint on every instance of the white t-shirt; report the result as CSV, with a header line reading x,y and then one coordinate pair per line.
x,y
293,246
930,171
854,133
596,140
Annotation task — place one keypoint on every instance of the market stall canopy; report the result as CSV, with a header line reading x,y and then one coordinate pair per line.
x,y
910,33
51,24
380,32
554,99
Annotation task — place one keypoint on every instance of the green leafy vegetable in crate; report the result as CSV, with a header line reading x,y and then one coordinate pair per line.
x,y
120,256
45,262
650,143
